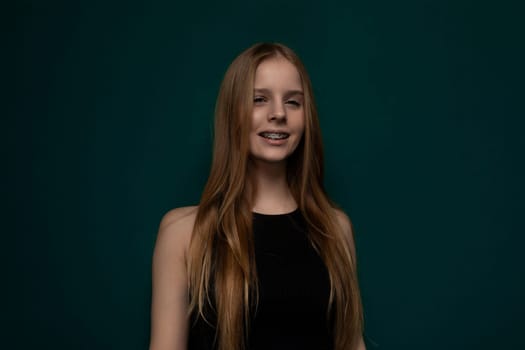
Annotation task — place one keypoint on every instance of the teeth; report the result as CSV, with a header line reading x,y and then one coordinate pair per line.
x,y
274,135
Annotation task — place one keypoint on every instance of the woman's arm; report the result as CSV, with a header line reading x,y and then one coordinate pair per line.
x,y
169,305
361,344
346,224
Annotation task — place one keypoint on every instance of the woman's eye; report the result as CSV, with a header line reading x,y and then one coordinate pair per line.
x,y
259,99
294,103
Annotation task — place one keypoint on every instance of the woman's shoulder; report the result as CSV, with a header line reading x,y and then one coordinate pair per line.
x,y
346,226
179,218
176,227
342,219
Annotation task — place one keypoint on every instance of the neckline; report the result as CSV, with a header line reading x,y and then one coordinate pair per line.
x,y
296,210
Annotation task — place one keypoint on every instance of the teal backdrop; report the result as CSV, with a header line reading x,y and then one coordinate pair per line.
x,y
421,107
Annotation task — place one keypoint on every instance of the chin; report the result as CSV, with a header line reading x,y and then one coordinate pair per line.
x,y
271,158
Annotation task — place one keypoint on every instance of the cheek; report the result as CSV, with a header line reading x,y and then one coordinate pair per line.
x,y
299,129
301,123
257,116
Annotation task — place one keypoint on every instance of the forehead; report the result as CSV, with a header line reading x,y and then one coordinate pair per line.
x,y
277,73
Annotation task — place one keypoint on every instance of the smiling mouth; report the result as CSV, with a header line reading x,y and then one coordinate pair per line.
x,y
274,135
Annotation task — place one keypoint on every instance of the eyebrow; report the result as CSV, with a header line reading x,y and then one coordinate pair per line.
x,y
287,93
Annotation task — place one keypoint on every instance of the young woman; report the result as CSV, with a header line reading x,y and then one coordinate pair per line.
x,y
266,260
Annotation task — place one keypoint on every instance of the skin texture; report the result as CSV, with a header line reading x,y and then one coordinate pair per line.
x,y
278,106
169,307
275,108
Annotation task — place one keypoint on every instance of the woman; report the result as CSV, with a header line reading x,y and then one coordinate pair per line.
x,y
265,261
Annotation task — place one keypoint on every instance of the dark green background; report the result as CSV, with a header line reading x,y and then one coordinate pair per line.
x,y
421,109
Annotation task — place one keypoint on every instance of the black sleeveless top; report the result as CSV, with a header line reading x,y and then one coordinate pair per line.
x,y
293,291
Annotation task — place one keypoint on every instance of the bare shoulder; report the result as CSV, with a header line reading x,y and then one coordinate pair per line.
x,y
175,229
178,217
347,227
344,221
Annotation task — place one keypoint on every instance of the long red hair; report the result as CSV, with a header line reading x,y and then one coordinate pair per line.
x,y
222,272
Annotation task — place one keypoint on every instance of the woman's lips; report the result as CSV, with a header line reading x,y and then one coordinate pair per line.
x,y
274,141
274,135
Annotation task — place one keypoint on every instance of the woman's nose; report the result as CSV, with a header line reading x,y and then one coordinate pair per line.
x,y
278,113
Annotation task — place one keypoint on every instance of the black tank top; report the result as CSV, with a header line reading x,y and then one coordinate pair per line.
x,y
293,291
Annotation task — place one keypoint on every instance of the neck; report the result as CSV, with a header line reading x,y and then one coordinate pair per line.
x,y
272,194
